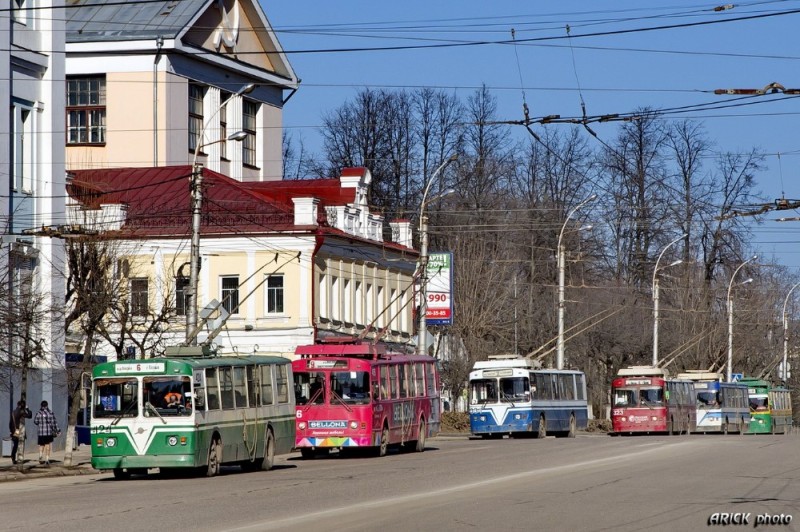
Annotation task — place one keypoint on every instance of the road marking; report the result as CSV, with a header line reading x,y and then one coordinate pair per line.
x,y
270,524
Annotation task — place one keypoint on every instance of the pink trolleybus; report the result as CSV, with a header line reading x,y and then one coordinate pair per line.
x,y
359,395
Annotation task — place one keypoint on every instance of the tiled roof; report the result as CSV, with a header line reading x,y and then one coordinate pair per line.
x,y
158,201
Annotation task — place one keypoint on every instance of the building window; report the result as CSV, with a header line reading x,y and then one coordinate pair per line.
x,y
139,306
275,294
196,94
223,124
23,149
181,284
230,294
86,110
250,110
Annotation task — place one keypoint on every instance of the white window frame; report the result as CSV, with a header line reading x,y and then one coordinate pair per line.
x,y
267,290
228,306
24,147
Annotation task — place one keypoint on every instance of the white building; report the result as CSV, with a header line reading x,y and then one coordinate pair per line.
x,y
32,178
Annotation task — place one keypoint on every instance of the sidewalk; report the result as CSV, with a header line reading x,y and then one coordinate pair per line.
x,y
81,459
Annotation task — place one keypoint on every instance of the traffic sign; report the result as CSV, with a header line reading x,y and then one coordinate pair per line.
x,y
736,377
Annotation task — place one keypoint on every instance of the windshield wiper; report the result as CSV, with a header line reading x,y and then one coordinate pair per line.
x,y
312,399
122,414
155,411
337,396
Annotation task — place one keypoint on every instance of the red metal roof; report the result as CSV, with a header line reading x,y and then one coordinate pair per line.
x,y
158,201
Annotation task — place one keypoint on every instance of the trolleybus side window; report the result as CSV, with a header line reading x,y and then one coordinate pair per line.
x,y
385,390
376,383
402,375
266,385
212,388
226,388
239,388
580,383
395,387
430,379
252,385
419,378
282,382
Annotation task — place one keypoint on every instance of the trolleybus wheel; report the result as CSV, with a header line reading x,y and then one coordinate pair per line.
x,y
269,452
421,437
542,432
121,474
214,458
573,426
384,446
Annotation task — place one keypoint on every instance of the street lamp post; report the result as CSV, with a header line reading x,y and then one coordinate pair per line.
x,y
561,260
655,295
422,337
786,333
197,201
729,371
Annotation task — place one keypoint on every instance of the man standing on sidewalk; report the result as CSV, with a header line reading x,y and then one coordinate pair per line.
x,y
48,430
17,426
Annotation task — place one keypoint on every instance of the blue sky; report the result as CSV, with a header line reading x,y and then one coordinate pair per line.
x,y
616,72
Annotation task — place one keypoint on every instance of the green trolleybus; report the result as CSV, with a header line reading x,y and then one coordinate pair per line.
x,y
191,410
770,407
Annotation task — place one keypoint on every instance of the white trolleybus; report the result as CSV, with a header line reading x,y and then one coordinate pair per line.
x,y
513,395
191,409
721,406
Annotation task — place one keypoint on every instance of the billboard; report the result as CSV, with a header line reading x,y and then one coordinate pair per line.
x,y
439,307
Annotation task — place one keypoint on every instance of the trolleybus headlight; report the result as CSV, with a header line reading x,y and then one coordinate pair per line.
x,y
483,418
172,440
623,419
111,442
517,417
654,418
302,425
354,425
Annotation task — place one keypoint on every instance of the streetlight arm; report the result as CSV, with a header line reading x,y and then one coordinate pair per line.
x,y
730,284
427,189
655,270
571,212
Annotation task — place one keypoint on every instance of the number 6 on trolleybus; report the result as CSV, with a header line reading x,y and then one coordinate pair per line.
x,y
191,411
354,394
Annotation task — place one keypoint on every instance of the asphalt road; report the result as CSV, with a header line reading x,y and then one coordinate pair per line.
x,y
586,483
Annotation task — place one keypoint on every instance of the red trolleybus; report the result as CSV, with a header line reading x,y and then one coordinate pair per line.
x,y
361,395
646,400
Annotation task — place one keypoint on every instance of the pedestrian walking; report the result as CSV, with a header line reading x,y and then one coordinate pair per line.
x,y
17,427
48,431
